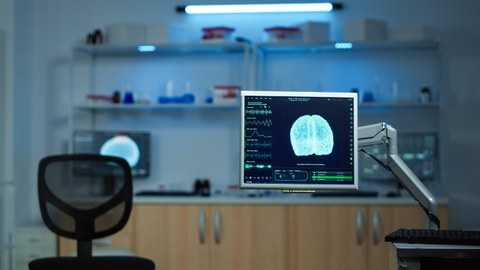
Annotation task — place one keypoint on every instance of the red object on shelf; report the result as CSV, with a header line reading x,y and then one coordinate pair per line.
x,y
282,33
226,93
99,97
217,33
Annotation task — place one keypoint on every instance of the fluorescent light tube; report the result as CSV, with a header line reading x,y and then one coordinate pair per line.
x,y
259,8
146,48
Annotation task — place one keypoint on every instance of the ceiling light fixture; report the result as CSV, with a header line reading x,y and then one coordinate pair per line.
x,y
259,8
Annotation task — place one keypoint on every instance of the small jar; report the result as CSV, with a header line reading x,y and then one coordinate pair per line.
x,y
425,95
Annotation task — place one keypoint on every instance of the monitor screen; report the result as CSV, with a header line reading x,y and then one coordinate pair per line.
x,y
134,147
299,140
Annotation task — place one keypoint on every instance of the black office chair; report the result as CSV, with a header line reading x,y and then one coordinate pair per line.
x,y
85,197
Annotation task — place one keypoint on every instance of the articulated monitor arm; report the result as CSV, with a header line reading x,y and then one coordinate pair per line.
x,y
385,134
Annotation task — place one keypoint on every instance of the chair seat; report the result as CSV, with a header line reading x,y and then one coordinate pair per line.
x,y
92,263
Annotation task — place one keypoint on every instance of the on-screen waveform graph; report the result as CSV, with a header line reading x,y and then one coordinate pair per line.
x,y
258,166
258,112
261,155
255,133
259,144
266,123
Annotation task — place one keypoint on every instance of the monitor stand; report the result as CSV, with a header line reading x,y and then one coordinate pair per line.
x,y
382,133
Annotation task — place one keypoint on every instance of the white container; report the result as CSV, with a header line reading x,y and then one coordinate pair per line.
x,y
164,33
125,33
315,32
365,30
406,33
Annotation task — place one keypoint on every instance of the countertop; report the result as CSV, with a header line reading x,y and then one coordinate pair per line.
x,y
294,199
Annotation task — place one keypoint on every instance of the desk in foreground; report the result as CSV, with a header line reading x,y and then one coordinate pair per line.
x,y
405,256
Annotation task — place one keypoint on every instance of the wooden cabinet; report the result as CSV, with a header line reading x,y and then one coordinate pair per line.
x,y
348,237
283,237
250,237
212,237
171,236
325,237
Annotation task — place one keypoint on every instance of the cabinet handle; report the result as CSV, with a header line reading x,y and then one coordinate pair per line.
x,y
201,226
359,226
376,227
216,226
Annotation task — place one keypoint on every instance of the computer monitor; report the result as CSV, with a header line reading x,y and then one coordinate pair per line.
x,y
299,140
134,147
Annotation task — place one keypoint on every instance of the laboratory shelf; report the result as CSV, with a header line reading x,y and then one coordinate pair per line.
x,y
301,47
168,48
156,107
398,105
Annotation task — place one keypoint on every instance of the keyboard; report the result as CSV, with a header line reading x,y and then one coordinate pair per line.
x,y
165,193
345,194
426,236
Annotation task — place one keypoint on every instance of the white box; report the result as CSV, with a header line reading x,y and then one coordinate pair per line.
x,y
315,32
164,33
409,33
125,33
365,30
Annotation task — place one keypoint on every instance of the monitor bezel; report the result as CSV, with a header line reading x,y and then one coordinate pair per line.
x,y
298,186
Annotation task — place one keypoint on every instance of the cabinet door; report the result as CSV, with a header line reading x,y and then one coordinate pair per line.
x,y
327,237
170,235
386,219
249,237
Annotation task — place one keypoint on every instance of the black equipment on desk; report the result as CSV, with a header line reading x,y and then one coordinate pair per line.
x,y
427,236
201,188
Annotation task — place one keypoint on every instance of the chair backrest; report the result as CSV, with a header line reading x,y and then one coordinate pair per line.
x,y
84,196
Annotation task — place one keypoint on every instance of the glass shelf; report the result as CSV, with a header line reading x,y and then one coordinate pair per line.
x,y
156,107
171,48
398,105
301,47
205,106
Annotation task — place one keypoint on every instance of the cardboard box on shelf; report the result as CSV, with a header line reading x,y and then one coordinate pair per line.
x,y
404,33
160,33
365,30
315,32
125,33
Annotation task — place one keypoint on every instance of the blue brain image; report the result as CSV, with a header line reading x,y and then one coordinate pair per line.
x,y
311,135
122,146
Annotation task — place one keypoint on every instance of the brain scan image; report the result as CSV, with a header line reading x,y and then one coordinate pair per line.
x,y
122,146
311,135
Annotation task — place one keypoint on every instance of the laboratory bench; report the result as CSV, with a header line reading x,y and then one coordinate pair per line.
x,y
268,232
280,199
